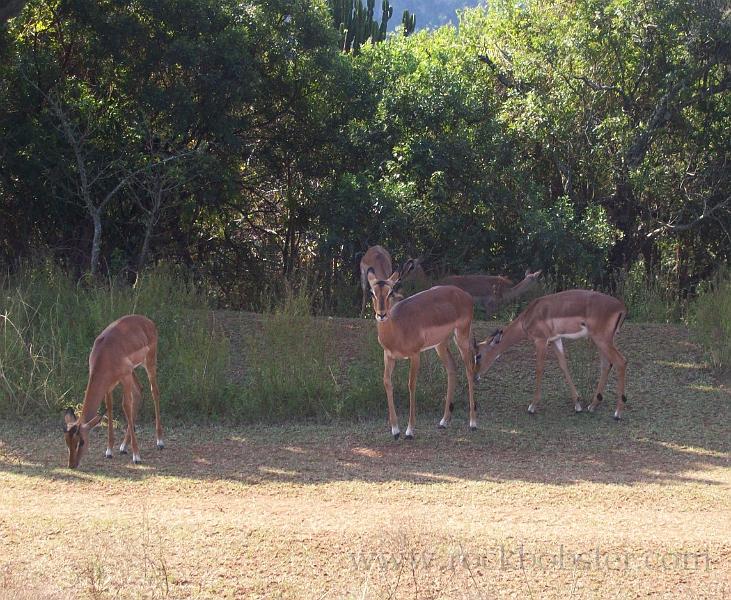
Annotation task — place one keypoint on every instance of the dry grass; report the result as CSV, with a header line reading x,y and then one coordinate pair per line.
x,y
594,508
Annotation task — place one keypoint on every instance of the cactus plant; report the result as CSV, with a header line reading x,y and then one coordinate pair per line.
x,y
356,24
409,22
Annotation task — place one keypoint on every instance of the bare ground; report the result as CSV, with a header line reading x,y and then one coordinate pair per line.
x,y
552,506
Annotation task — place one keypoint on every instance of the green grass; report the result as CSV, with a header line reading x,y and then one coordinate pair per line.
x,y
49,322
710,319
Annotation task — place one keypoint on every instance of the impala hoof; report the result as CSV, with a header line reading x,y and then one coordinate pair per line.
x,y
160,445
473,427
123,451
396,436
409,436
441,426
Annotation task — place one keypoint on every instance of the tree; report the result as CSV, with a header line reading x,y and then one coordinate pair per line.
x,y
614,101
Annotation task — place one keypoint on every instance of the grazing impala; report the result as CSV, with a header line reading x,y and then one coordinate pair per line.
x,y
492,291
125,344
571,315
420,322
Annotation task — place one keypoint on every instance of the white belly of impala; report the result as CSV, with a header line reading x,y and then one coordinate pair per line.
x,y
582,333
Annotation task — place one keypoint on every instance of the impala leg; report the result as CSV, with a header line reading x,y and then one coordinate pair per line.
x,y
415,361
151,368
606,366
450,366
620,363
388,365
129,406
561,355
541,347
462,337
110,425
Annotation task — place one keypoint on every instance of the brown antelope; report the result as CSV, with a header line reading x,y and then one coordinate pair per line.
x,y
124,345
572,314
378,259
420,322
492,291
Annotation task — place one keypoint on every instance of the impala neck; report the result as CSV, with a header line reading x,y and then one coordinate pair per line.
x,y
518,289
95,391
512,334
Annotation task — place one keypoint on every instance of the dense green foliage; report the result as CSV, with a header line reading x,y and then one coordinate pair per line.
x,y
239,142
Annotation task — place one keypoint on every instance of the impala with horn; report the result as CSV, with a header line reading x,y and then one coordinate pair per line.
x,y
491,290
572,314
125,344
420,322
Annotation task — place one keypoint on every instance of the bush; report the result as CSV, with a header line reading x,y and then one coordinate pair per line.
x,y
710,319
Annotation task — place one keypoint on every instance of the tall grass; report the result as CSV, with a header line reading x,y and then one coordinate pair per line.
x,y
295,369
292,370
654,299
710,319
48,324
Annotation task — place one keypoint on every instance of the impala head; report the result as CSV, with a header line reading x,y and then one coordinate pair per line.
x,y
76,435
384,293
482,348
532,276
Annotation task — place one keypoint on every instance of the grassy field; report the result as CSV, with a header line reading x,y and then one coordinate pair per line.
x,y
556,505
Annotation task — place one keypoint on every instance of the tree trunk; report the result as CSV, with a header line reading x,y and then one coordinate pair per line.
x,y
96,243
623,212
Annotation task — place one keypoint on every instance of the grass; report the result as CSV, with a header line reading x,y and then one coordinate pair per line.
x,y
595,509
48,324
711,320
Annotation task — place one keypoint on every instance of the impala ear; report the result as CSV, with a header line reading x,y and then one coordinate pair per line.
x,y
496,337
408,267
536,275
371,276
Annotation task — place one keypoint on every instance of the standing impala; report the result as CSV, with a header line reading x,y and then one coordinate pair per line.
x,y
124,345
378,260
420,322
492,291
571,315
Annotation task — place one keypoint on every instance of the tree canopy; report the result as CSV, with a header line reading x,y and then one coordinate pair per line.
x,y
588,138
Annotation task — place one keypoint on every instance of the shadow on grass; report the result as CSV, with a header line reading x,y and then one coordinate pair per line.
x,y
676,428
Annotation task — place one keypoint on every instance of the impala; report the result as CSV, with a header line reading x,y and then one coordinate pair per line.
x,y
571,314
378,260
420,322
492,291
124,345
